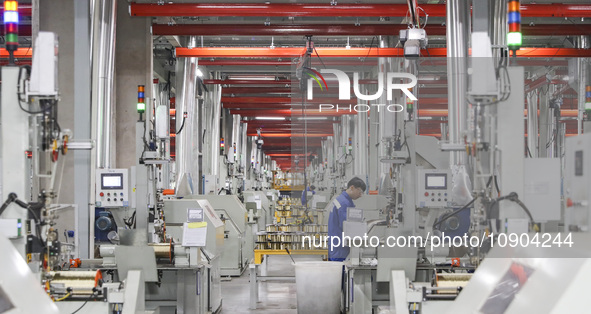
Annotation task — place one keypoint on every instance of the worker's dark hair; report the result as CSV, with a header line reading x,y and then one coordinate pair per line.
x,y
358,183
312,187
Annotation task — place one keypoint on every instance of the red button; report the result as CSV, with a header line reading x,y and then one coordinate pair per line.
x,y
426,194
102,194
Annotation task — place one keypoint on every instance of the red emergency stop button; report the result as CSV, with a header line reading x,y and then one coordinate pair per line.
x,y
426,193
102,194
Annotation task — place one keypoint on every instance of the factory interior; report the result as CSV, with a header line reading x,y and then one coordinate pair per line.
x,y
295,156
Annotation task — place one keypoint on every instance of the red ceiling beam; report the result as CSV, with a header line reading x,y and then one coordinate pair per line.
x,y
248,82
323,10
341,30
280,63
255,90
289,113
291,128
244,62
24,30
19,53
285,135
556,10
428,62
443,112
283,100
555,29
286,29
264,106
265,52
278,9
278,123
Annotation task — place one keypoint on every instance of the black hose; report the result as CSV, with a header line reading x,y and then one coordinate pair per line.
x,y
455,212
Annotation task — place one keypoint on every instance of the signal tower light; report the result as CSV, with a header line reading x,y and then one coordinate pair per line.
x,y
514,36
11,27
141,104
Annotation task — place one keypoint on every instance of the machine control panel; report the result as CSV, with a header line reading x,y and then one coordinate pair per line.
x,y
434,188
112,188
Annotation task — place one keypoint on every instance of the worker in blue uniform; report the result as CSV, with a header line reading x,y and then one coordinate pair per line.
x,y
355,189
305,193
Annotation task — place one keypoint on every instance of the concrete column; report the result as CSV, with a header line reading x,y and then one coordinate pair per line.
x,y
82,113
133,67
58,17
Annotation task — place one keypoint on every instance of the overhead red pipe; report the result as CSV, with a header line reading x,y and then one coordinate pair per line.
x,y
19,53
278,9
253,132
290,113
279,123
556,29
263,106
283,100
24,30
248,82
556,10
323,10
287,155
16,62
255,90
339,30
266,52
244,62
286,29
287,143
443,112
286,135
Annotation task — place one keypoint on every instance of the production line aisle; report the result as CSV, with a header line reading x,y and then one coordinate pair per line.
x,y
274,297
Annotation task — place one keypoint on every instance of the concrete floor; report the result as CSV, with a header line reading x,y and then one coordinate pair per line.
x,y
274,297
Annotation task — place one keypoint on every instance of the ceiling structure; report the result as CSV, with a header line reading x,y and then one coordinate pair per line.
x,y
237,40
255,47
252,45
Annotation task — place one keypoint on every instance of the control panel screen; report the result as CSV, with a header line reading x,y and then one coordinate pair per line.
x,y
436,181
112,181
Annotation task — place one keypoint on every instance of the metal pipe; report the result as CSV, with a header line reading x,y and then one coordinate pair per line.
x,y
186,103
362,152
532,124
458,29
243,146
215,109
103,69
584,42
235,140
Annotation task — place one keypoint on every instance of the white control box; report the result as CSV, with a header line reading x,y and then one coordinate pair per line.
x,y
43,80
11,228
112,188
434,188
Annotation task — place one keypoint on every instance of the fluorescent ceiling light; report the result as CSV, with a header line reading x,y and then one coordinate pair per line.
x,y
270,118
313,118
252,77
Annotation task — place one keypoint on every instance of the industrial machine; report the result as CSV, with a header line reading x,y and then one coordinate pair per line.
x,y
181,274
240,226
